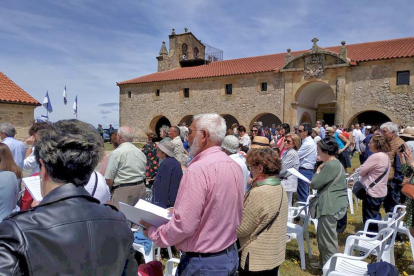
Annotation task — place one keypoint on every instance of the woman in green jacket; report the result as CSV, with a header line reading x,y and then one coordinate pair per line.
x,y
332,203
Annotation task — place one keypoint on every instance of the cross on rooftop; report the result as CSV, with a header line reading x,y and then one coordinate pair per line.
x,y
314,41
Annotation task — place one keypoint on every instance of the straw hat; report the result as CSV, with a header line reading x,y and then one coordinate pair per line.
x,y
408,132
260,142
317,130
167,147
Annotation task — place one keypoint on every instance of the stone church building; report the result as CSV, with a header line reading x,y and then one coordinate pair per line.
x,y
16,107
370,82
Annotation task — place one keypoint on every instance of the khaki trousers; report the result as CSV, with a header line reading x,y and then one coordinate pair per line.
x,y
128,195
327,238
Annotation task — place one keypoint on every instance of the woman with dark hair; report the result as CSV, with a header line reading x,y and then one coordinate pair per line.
x,y
244,138
330,183
150,151
10,176
375,169
265,208
280,143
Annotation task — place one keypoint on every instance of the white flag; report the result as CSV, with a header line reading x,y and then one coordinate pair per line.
x,y
75,105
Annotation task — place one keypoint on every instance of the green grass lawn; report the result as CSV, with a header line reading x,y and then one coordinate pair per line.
x,y
109,147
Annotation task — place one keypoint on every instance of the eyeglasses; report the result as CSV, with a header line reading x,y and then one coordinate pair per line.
x,y
288,141
193,131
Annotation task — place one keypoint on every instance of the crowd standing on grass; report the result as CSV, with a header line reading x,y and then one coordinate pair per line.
x,y
229,191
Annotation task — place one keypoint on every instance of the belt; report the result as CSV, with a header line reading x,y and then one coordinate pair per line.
x,y
127,185
197,254
302,168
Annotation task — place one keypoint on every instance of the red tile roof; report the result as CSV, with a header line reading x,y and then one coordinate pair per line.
x,y
386,49
12,93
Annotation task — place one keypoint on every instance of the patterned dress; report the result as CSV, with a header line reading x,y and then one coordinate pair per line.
x,y
150,151
410,209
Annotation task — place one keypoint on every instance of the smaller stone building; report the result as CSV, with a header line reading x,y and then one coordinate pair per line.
x,y
16,106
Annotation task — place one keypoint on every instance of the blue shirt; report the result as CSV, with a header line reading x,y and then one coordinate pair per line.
x,y
18,150
367,152
307,153
9,187
322,134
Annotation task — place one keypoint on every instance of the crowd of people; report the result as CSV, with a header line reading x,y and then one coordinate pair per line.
x,y
229,192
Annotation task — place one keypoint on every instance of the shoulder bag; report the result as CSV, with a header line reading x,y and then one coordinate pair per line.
x,y
267,226
359,189
313,203
96,184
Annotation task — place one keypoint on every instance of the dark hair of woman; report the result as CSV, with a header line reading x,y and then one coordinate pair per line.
x,y
266,157
328,145
7,163
381,143
286,127
241,129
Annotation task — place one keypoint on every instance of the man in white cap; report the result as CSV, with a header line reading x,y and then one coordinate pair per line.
x,y
230,146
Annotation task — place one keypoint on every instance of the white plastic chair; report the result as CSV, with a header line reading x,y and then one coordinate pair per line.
x,y
170,269
343,264
295,231
303,215
392,221
354,178
402,228
141,249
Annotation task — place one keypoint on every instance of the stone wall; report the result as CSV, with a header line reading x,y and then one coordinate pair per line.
x,y
246,103
372,86
21,116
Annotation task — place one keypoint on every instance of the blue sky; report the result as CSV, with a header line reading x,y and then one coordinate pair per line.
x,y
89,45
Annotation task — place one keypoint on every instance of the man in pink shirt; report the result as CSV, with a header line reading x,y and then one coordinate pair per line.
x,y
209,204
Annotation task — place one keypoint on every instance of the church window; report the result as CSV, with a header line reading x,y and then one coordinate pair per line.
x,y
129,94
195,52
229,89
264,86
403,78
186,92
157,93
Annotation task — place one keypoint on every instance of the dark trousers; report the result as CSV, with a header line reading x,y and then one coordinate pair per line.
x,y
392,198
217,265
303,187
371,210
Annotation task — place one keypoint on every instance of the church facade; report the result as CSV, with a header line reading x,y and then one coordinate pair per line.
x,y
369,82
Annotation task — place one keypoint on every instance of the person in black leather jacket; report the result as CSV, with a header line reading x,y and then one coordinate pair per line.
x,y
69,232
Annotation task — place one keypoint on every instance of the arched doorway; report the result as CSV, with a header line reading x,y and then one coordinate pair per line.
x,y
268,119
318,100
230,120
305,118
157,123
187,120
370,117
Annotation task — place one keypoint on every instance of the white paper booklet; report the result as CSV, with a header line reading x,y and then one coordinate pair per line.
x,y
33,186
298,174
145,211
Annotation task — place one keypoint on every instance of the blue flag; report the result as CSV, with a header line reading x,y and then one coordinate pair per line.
x,y
65,101
46,103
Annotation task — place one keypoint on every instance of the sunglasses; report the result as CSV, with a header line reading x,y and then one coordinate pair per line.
x,y
300,130
288,141
254,130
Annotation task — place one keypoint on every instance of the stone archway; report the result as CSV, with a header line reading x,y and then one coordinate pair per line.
x,y
371,117
316,99
230,120
156,123
188,119
267,119
305,118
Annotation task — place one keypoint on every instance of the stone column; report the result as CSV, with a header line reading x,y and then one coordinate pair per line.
x,y
340,97
289,110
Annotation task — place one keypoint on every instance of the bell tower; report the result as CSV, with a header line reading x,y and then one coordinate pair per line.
x,y
185,51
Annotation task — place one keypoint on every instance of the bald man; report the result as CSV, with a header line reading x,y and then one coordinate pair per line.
x,y
125,172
